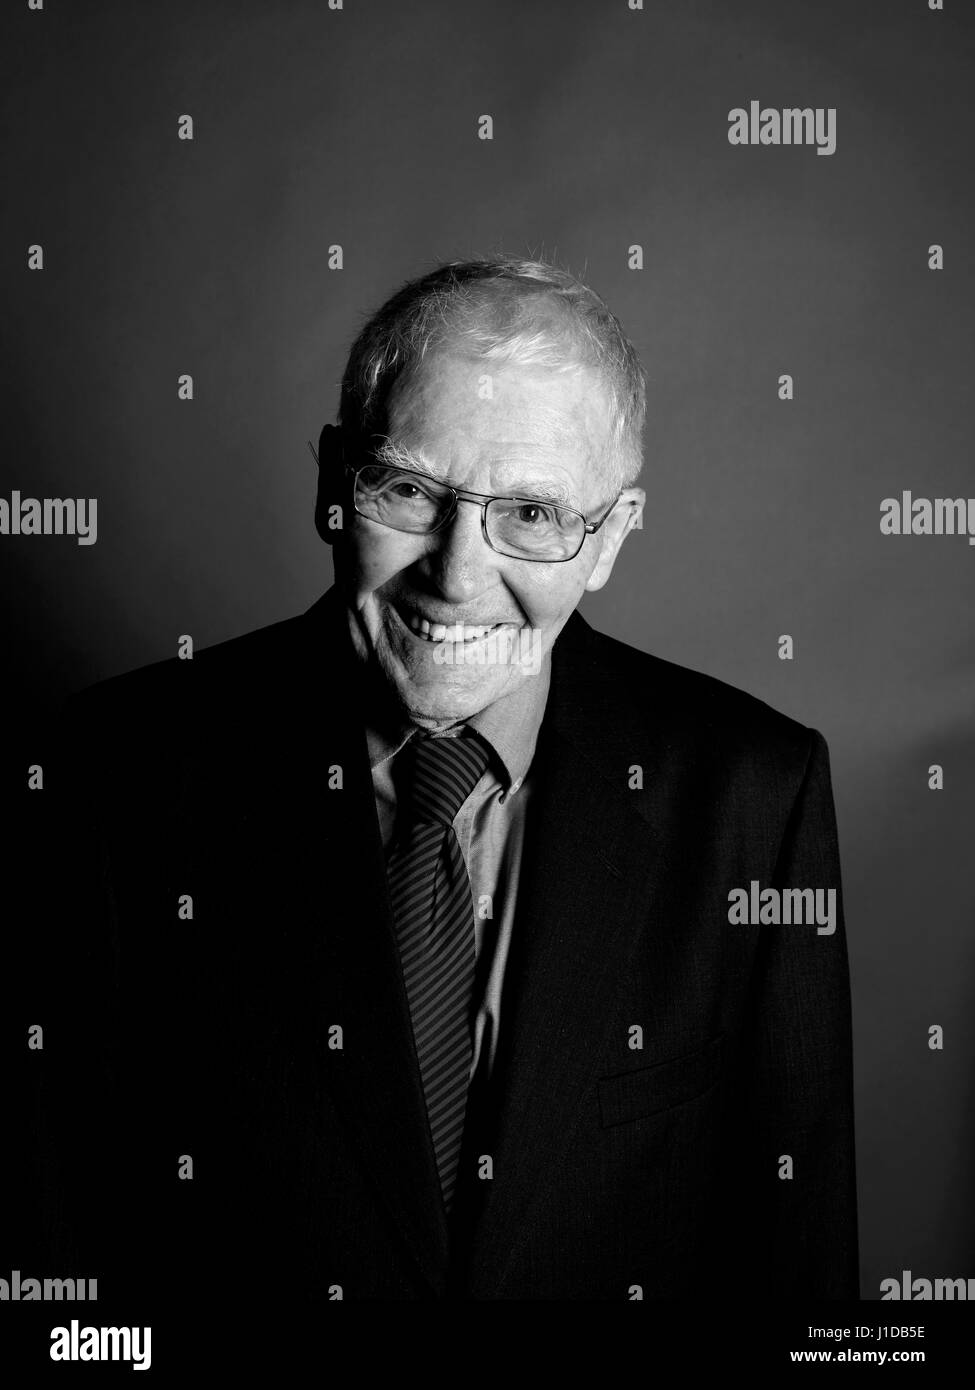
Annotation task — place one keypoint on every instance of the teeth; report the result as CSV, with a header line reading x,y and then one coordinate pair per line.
x,y
439,632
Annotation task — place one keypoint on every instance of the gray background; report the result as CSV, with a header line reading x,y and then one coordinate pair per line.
x,y
359,127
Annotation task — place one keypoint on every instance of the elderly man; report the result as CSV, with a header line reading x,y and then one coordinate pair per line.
x,y
443,947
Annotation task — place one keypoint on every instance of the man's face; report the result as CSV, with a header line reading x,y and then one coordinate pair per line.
x,y
534,431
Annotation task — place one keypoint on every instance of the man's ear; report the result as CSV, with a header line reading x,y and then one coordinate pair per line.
x,y
627,514
332,492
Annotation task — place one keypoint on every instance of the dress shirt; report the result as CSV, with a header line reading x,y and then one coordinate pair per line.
x,y
490,827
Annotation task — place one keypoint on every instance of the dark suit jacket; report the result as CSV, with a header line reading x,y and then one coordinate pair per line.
x,y
618,1171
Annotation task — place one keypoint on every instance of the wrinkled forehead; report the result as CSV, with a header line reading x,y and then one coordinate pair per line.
x,y
508,424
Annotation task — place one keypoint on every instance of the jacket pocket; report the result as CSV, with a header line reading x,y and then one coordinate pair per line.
x,y
635,1094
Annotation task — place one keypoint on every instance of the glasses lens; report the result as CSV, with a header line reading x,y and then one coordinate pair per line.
x,y
399,498
534,530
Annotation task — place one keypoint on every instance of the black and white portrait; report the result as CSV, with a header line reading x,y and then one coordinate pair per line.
x,y
487,531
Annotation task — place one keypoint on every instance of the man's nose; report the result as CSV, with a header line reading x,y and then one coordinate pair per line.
x,y
462,564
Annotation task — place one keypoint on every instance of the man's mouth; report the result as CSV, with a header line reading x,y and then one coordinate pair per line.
x,y
446,632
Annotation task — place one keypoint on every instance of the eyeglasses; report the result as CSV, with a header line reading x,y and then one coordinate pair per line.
x,y
523,528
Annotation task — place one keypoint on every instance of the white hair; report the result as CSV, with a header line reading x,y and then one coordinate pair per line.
x,y
499,309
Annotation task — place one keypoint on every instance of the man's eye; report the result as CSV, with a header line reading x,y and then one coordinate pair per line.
x,y
404,490
533,514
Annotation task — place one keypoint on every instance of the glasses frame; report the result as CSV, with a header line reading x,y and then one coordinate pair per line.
x,y
483,500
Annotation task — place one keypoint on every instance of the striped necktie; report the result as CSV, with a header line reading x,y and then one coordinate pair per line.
x,y
430,896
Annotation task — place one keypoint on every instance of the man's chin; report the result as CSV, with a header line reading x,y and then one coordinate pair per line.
x,y
433,703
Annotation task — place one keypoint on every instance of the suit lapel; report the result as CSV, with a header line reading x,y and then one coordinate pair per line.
x,y
374,1078
590,870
